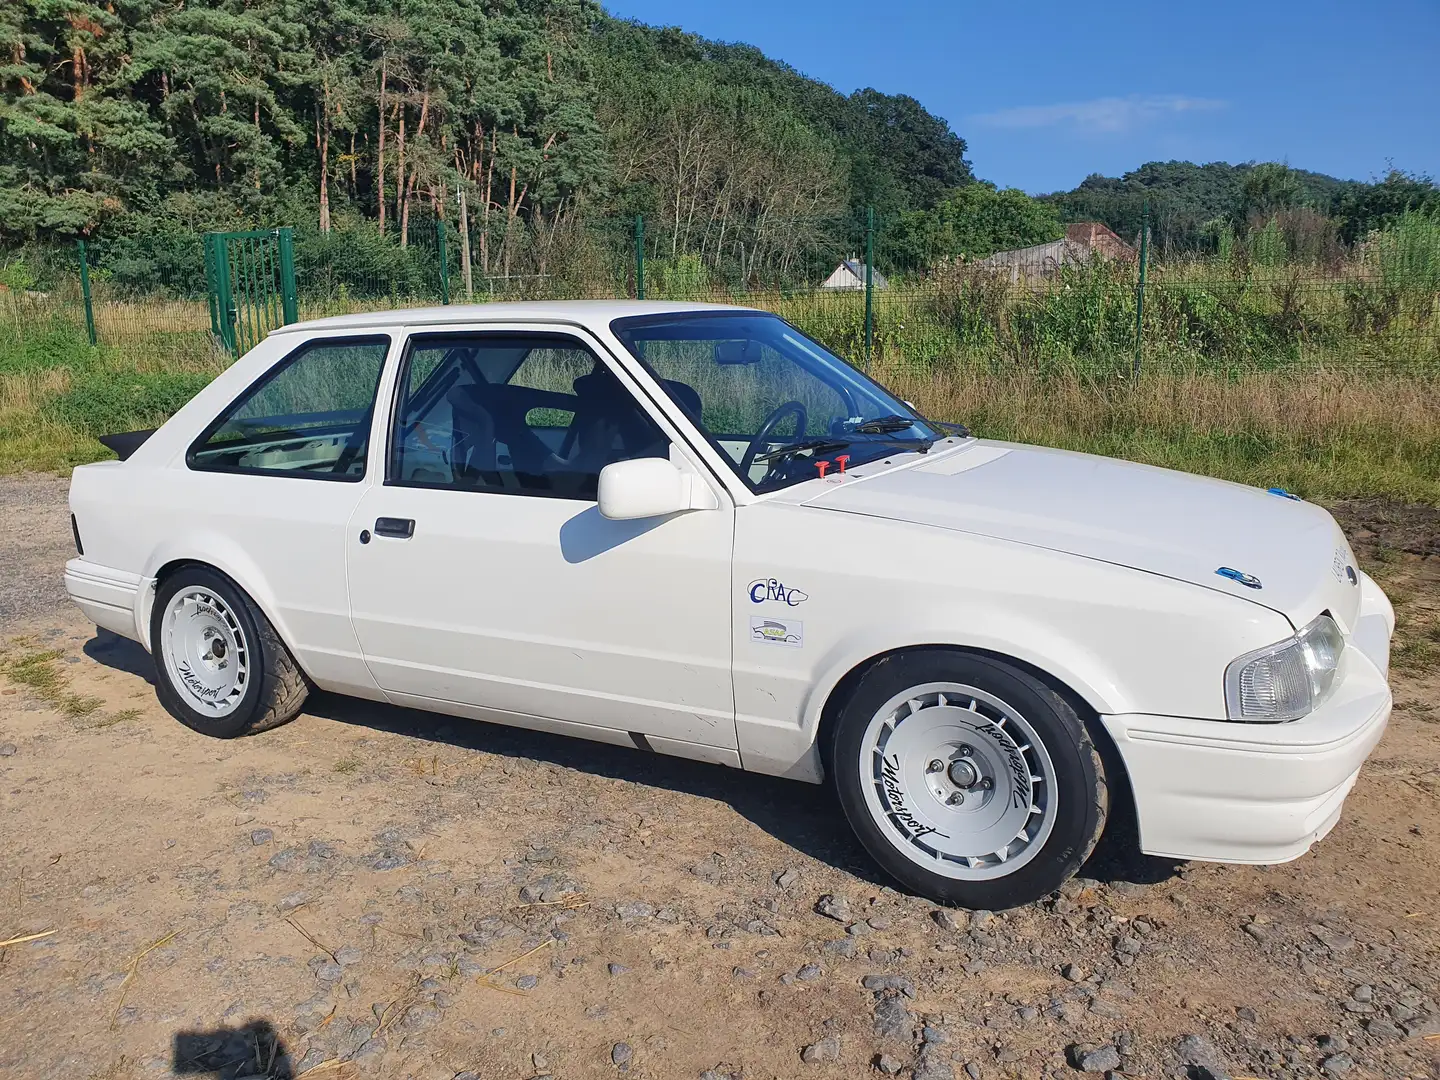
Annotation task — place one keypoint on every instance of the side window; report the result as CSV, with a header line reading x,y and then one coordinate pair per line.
x,y
308,416
528,414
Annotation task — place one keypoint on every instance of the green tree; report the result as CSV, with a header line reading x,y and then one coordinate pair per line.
x,y
1363,208
971,221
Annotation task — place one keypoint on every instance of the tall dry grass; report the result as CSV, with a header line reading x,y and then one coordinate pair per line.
x,y
1323,434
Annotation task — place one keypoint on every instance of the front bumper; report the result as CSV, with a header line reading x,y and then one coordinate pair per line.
x,y
1260,793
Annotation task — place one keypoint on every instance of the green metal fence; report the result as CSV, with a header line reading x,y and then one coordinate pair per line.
x,y
1107,315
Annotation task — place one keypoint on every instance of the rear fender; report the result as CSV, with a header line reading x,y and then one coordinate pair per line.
x,y
223,554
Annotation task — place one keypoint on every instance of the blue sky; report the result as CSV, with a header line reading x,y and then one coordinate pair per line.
x,y
1046,93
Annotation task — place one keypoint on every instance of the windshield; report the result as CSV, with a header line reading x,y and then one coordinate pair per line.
x,y
779,407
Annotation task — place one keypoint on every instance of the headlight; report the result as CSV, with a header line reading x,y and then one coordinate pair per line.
x,y
1285,681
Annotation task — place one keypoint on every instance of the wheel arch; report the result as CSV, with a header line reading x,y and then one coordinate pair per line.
x,y
1116,776
233,566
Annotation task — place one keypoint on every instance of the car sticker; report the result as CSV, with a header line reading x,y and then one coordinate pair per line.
x,y
786,632
762,589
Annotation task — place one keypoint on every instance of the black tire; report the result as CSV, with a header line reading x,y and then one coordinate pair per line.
x,y
275,688
1082,794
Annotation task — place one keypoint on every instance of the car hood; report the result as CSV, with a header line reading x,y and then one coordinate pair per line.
x,y
1154,520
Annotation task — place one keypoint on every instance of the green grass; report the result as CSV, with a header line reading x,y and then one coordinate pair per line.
x,y
39,673
1323,380
58,392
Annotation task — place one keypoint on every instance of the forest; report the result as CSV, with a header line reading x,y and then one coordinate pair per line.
x,y
144,122
151,116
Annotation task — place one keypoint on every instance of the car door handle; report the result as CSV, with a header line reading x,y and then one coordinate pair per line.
x,y
399,528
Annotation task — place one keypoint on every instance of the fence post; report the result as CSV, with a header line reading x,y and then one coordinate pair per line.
x,y
1140,287
85,291
869,282
289,300
639,257
444,262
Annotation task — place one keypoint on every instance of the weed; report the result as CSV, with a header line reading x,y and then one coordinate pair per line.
x,y
124,716
37,672
77,707
347,765
1417,644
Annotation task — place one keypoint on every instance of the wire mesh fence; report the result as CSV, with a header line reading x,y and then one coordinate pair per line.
x,y
1067,306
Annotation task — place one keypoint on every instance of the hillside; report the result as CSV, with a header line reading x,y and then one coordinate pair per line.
x,y
1190,204
226,112
536,129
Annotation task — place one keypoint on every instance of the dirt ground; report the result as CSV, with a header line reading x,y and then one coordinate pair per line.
x,y
371,891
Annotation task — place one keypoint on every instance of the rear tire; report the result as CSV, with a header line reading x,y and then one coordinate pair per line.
x,y
220,667
969,780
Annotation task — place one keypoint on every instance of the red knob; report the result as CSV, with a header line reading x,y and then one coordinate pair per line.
x,y
841,459
822,466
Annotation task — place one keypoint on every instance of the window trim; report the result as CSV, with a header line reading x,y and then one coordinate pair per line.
x,y
273,372
561,333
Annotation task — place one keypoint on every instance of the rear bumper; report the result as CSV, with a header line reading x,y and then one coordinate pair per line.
x,y
107,596
1260,793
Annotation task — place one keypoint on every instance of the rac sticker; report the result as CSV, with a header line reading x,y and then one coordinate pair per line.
x,y
762,589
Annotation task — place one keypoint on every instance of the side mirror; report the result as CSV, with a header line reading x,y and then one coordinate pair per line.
x,y
650,487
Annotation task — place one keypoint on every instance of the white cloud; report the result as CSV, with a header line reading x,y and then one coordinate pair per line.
x,y
1102,116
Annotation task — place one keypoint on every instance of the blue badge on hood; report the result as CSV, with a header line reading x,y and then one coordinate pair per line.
x,y
1283,493
1250,581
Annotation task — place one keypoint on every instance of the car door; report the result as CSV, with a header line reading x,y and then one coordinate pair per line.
x,y
482,573
268,489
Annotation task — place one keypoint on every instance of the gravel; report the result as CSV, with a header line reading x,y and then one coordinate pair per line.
x,y
1200,1050
1101,1059
893,1020
35,542
823,1051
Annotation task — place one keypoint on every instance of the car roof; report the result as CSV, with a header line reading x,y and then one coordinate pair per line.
x,y
589,313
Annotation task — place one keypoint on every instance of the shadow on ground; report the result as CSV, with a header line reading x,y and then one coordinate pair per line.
x,y
805,816
120,653
254,1051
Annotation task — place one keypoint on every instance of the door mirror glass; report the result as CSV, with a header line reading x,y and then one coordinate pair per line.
x,y
643,488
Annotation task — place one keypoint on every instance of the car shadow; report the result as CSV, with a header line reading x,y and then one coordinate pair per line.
x,y
120,653
806,817
254,1050
803,816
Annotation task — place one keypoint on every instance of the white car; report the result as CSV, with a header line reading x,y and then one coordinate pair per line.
x,y
692,530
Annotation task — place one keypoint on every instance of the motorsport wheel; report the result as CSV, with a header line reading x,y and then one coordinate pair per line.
x,y
968,780
220,667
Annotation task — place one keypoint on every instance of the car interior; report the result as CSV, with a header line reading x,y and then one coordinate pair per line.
x,y
528,414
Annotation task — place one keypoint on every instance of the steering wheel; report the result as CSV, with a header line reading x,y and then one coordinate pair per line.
x,y
762,437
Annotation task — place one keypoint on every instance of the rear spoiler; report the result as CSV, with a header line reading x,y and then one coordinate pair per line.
x,y
126,442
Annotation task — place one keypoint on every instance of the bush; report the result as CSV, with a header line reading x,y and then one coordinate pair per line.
x,y
59,344
108,401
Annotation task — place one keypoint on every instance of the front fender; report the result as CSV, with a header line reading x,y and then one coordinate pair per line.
x,y
1123,640
773,745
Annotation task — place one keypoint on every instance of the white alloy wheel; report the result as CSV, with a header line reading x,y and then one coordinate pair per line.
x,y
958,781
204,651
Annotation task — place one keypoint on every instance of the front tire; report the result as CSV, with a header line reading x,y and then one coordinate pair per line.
x,y
967,779
220,667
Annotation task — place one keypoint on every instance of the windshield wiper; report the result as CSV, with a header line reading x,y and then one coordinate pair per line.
x,y
820,446
824,446
958,430
885,425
